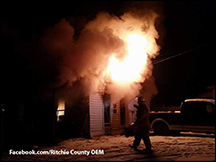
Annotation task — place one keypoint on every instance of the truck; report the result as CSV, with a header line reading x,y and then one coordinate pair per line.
x,y
195,115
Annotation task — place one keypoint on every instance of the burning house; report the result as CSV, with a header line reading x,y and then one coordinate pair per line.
x,y
98,113
111,64
84,86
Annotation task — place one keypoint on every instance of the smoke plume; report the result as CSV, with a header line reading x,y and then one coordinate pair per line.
x,y
86,59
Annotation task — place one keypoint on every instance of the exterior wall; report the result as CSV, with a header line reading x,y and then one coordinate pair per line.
x,y
115,115
96,113
116,126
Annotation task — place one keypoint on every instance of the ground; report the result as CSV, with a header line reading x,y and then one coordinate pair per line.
x,y
185,147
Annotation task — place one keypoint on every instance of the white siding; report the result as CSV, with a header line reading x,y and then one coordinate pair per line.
x,y
96,114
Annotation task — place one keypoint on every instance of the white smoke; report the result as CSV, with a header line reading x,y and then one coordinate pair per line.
x,y
87,58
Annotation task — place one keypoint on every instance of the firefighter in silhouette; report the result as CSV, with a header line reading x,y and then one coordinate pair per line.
x,y
142,125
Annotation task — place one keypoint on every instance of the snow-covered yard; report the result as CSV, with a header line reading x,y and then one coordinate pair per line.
x,y
186,147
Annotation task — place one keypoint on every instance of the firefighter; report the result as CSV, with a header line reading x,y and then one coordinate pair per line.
x,y
142,126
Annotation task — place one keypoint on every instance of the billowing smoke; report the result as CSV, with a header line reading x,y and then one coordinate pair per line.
x,y
87,58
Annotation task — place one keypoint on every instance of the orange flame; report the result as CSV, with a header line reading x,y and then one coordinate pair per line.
x,y
131,67
128,61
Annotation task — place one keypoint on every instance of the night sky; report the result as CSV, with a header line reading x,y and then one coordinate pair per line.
x,y
183,26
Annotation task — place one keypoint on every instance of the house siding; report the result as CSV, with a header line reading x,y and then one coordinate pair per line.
x,y
96,114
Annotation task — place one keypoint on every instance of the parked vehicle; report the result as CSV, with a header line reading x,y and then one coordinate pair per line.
x,y
195,115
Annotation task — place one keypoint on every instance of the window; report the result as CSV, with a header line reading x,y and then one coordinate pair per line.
x,y
61,110
199,109
187,108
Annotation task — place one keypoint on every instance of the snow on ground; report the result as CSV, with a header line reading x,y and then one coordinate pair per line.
x,y
186,147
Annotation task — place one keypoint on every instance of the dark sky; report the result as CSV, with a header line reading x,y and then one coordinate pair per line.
x,y
189,27
183,25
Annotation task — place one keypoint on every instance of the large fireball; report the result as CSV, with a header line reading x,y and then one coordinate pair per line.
x,y
119,52
131,67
